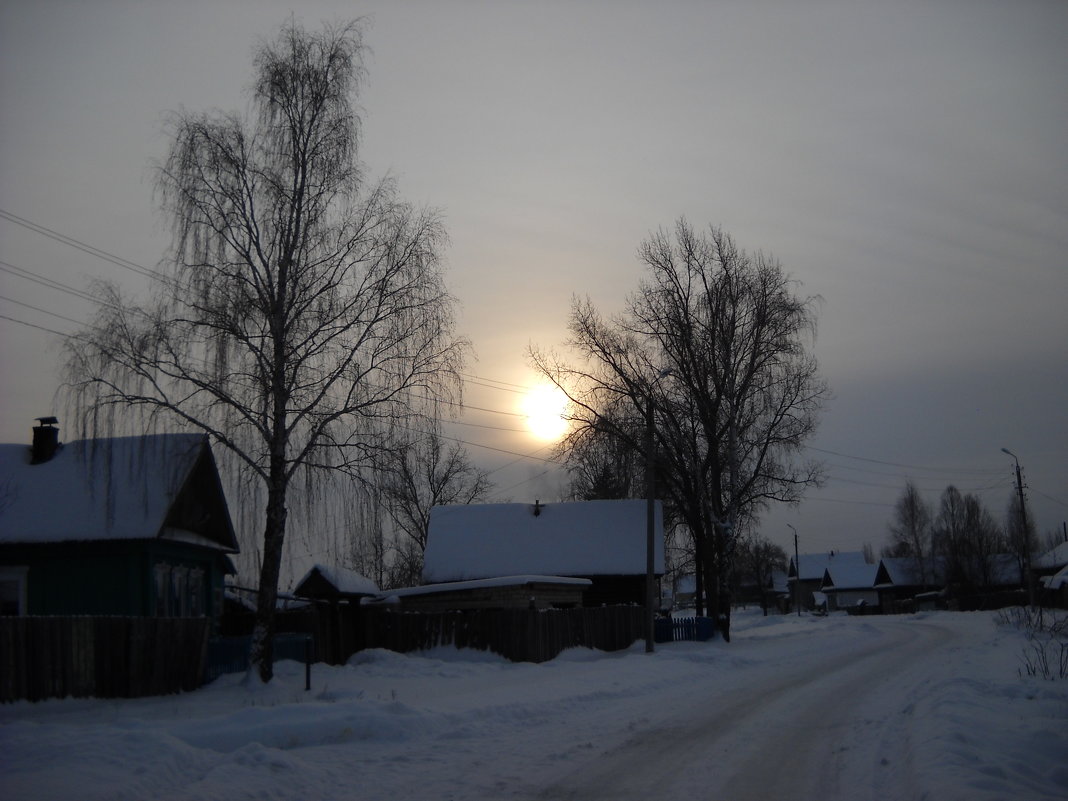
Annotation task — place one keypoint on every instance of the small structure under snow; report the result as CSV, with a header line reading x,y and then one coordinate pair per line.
x,y
116,526
324,583
603,542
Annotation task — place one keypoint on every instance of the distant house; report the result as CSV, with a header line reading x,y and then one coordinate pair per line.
x,y
603,542
805,575
134,526
1051,576
1052,561
898,580
848,585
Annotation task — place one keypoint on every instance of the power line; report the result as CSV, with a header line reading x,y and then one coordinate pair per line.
x,y
39,309
38,327
955,470
37,278
84,247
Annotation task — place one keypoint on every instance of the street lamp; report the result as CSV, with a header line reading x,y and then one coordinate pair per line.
x,y
650,518
1026,540
797,573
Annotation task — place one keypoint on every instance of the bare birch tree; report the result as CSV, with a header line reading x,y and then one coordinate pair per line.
x,y
304,315
910,532
713,344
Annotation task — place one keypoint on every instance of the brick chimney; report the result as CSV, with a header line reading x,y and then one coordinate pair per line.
x,y
45,440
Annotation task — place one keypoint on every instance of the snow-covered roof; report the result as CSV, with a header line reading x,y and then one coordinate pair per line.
x,y
904,571
1057,580
340,579
849,576
813,565
1058,557
779,584
115,488
585,538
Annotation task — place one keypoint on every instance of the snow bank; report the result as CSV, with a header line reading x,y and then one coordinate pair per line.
x,y
469,725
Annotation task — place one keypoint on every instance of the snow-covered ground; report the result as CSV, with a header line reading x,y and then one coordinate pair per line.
x,y
889,708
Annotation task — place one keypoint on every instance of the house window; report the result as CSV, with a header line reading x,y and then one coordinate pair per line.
x,y
164,593
179,590
13,590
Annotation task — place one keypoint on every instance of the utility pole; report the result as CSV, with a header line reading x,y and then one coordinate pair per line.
x,y
650,514
797,573
1023,520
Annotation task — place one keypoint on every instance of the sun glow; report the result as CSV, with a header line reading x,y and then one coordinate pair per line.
x,y
544,407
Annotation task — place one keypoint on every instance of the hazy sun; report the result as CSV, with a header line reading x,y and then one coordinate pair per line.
x,y
544,407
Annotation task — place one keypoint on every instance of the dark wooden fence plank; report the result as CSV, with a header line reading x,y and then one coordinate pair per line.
x,y
105,657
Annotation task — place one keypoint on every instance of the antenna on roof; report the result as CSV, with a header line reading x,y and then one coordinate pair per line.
x,y
537,507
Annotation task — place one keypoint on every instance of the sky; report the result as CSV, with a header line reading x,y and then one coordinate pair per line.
x,y
906,163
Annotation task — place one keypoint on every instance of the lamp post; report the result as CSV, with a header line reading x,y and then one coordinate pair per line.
x,y
1026,541
797,573
650,519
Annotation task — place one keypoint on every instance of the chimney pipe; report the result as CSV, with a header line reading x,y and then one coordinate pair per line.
x,y
45,440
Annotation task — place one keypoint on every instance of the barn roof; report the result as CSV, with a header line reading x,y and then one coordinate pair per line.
x,y
116,488
584,538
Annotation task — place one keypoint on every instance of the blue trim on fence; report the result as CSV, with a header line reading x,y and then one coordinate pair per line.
x,y
230,654
692,629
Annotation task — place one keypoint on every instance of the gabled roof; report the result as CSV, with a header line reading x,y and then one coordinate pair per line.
x,y
334,582
161,486
586,538
813,565
904,571
849,576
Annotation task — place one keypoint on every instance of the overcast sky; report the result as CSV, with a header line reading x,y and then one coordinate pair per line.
x,y
906,162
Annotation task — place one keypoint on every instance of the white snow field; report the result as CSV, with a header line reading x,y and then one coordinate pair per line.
x,y
927,706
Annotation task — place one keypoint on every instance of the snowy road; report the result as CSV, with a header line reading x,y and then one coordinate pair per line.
x,y
929,706
820,731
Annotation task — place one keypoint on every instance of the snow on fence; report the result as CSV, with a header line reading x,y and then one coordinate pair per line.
x,y
103,657
517,634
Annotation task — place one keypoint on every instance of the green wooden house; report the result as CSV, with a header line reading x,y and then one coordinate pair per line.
x,y
134,526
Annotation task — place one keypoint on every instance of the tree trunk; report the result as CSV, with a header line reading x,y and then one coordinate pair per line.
x,y
261,657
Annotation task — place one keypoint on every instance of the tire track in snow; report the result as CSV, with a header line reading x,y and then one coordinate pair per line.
x,y
818,732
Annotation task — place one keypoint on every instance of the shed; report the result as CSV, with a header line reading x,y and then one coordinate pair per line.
x,y
324,583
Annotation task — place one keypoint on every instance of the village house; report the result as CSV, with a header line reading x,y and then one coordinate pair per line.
x,y
131,526
805,582
591,553
849,585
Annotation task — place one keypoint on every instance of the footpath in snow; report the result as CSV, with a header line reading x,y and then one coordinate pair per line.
x,y
928,706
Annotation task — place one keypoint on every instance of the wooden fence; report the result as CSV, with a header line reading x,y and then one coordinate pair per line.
x,y
517,634
682,629
105,657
